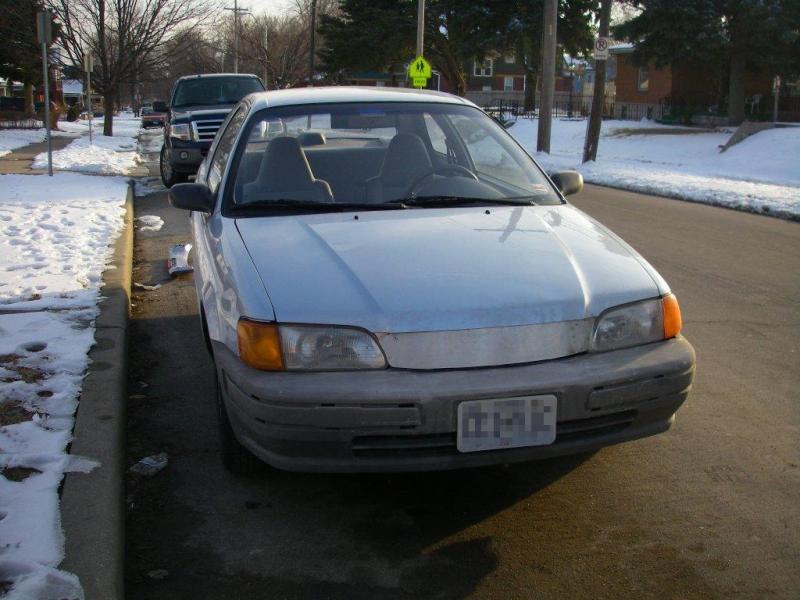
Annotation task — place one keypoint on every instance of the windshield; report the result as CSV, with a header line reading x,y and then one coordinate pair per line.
x,y
381,153
214,90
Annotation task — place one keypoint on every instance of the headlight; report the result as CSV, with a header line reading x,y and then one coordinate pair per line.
x,y
181,131
272,347
636,324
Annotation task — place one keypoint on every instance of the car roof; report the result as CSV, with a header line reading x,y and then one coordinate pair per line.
x,y
348,94
211,75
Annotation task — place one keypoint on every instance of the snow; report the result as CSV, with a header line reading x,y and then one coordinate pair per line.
x,y
760,174
55,236
56,240
104,155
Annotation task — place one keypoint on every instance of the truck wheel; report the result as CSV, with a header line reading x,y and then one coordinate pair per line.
x,y
236,458
169,177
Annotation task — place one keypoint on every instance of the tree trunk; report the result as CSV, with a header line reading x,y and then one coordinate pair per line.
x,y
736,89
30,109
108,113
599,95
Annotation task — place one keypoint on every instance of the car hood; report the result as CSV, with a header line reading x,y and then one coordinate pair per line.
x,y
423,270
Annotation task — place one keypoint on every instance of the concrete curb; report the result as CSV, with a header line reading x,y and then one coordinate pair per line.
x,y
93,504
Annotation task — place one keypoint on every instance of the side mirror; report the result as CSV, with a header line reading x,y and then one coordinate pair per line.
x,y
160,107
192,196
568,182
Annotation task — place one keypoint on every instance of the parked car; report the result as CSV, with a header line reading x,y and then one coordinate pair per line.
x,y
387,281
154,116
198,105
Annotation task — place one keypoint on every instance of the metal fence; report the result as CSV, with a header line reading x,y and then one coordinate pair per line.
x,y
672,109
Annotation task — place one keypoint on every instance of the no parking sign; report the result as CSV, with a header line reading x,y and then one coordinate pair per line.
x,y
601,48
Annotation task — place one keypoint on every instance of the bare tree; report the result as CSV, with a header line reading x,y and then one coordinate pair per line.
x,y
125,37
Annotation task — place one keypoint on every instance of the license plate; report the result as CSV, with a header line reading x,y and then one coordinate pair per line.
x,y
506,423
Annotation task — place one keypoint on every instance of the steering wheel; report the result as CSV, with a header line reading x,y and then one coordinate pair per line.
x,y
455,170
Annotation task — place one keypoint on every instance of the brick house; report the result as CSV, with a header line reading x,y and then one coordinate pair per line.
x,y
654,92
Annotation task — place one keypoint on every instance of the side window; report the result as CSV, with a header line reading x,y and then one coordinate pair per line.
x,y
223,150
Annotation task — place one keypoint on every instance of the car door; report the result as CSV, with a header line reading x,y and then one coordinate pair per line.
x,y
214,291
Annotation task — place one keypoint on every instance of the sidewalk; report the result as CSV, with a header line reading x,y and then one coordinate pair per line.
x,y
19,161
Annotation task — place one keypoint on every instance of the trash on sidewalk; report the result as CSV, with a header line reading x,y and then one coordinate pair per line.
x,y
150,223
150,465
179,259
144,286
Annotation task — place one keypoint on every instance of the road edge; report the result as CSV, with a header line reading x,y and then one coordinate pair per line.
x,y
93,504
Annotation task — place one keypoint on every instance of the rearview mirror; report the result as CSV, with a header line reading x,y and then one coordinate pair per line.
x,y
160,107
192,196
568,182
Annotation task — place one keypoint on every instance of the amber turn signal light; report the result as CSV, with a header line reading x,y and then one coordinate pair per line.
x,y
672,316
260,345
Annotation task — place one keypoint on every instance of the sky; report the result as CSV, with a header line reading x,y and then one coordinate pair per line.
x,y
261,6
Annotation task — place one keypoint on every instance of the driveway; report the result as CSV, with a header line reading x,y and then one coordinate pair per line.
x,y
709,509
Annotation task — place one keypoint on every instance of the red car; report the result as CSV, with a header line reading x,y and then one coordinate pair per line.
x,y
151,118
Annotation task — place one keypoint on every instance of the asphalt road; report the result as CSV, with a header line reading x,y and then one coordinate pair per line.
x,y
709,509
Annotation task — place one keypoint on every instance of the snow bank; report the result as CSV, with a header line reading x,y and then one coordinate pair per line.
x,y
104,155
56,239
761,174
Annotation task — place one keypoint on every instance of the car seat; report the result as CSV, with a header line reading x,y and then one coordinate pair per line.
x,y
405,160
285,174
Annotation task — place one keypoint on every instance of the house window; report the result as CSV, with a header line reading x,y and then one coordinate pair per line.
x,y
483,68
510,58
643,81
508,84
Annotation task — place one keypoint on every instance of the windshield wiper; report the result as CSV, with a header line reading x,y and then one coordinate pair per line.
x,y
445,201
306,205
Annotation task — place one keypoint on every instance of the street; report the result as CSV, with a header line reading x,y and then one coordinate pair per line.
x,y
708,509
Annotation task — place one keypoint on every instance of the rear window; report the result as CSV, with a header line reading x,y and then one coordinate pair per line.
x,y
214,90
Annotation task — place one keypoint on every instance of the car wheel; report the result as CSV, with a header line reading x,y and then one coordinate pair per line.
x,y
169,176
236,458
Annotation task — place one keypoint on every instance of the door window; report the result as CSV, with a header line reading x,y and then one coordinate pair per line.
x,y
224,147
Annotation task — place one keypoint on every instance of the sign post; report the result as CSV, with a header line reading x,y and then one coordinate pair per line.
x,y
601,48
88,67
45,35
419,71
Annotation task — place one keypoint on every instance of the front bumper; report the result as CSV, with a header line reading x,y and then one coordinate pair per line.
x,y
401,420
185,157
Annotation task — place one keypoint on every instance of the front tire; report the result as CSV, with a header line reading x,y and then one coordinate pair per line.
x,y
236,458
169,176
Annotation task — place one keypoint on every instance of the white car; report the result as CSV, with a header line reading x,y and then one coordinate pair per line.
x,y
388,281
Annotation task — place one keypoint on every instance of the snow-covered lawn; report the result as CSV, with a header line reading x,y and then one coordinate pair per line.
x,y
760,174
56,240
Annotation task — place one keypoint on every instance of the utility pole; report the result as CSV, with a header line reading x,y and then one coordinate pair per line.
x,y
266,55
599,94
548,75
420,27
313,49
45,35
236,12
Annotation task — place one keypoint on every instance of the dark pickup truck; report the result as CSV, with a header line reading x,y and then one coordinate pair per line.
x,y
198,106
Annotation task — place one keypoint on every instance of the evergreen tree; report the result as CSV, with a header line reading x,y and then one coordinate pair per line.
x,y
730,36
20,52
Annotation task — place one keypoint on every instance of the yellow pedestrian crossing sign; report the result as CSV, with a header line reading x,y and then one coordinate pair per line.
x,y
419,71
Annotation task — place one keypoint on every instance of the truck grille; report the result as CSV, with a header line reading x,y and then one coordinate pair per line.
x,y
204,131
